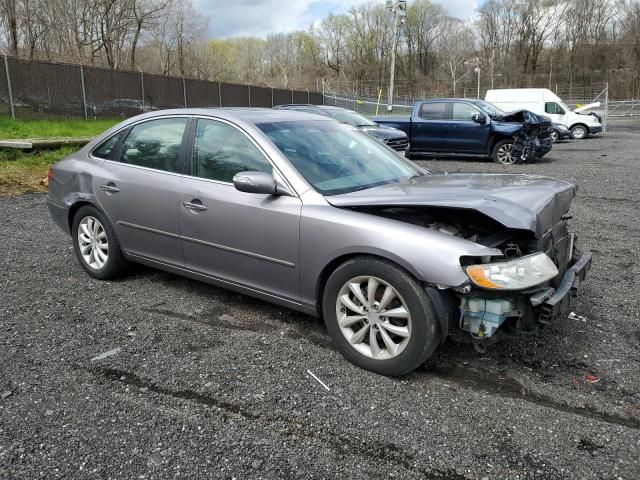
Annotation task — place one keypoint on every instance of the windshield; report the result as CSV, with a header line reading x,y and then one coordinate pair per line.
x,y
350,117
337,158
489,108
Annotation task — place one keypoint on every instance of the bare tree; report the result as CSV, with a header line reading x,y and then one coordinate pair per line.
x,y
10,22
456,46
145,12
282,52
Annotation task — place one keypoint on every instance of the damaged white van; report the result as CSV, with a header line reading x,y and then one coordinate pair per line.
x,y
543,101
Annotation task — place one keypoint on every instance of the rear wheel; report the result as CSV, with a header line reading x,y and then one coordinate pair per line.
x,y
379,317
579,131
504,153
555,136
96,245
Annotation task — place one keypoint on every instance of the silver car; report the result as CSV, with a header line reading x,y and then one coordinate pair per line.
x,y
314,215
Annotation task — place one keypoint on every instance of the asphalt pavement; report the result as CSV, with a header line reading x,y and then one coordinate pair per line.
x,y
192,381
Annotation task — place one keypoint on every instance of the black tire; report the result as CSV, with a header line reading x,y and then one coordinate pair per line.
x,y
579,131
496,153
425,330
115,264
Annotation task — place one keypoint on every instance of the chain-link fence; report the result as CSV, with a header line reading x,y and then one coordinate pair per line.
x,y
36,89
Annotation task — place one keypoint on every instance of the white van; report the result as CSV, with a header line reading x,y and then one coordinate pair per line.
x,y
543,101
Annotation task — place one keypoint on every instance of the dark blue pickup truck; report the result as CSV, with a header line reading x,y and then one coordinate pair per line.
x,y
461,126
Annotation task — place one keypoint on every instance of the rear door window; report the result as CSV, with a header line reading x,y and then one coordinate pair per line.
x,y
155,144
433,111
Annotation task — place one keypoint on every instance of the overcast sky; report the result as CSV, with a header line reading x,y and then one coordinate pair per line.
x,y
231,18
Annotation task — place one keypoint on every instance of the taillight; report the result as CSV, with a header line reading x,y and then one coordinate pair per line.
x,y
49,177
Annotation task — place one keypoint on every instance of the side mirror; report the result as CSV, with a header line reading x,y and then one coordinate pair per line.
x,y
259,182
480,118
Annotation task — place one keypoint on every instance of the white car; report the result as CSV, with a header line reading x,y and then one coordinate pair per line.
x,y
543,101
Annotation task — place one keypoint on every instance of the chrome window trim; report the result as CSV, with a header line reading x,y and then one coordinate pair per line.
x,y
140,167
195,116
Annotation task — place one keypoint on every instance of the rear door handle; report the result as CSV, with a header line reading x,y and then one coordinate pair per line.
x,y
110,188
195,204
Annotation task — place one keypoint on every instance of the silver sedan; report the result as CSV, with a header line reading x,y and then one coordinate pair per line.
x,y
312,214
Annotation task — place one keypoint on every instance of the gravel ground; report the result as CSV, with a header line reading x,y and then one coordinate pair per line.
x,y
213,384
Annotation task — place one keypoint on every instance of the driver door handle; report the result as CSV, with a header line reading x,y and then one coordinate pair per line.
x,y
195,204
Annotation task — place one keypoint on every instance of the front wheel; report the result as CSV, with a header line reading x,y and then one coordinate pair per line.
x,y
504,153
555,136
579,132
379,317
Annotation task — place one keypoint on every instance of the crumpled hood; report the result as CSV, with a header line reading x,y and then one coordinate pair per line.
x,y
525,202
523,116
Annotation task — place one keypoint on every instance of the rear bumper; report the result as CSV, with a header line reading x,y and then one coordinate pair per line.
x,y
59,214
557,305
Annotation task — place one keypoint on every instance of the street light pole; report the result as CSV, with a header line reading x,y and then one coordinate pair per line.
x,y
397,8
478,71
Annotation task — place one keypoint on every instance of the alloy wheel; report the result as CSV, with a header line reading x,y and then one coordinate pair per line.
x,y
505,154
373,317
554,136
93,243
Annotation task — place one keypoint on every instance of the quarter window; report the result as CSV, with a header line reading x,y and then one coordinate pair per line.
x,y
433,111
105,149
155,144
553,108
463,112
220,151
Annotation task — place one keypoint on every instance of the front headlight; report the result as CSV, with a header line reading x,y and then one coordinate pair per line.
x,y
518,274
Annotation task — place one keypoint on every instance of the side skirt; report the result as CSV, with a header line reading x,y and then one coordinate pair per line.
x,y
226,284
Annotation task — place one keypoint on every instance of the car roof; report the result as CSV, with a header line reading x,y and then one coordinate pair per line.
x,y
459,99
293,106
243,114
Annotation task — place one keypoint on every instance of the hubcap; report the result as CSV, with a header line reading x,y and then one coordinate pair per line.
x,y
505,154
554,136
579,132
92,240
373,317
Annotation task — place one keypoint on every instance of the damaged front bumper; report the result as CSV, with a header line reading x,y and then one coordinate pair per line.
x,y
557,304
483,314
532,148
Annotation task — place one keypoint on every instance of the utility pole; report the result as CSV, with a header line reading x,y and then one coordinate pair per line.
x,y
493,57
477,70
397,8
